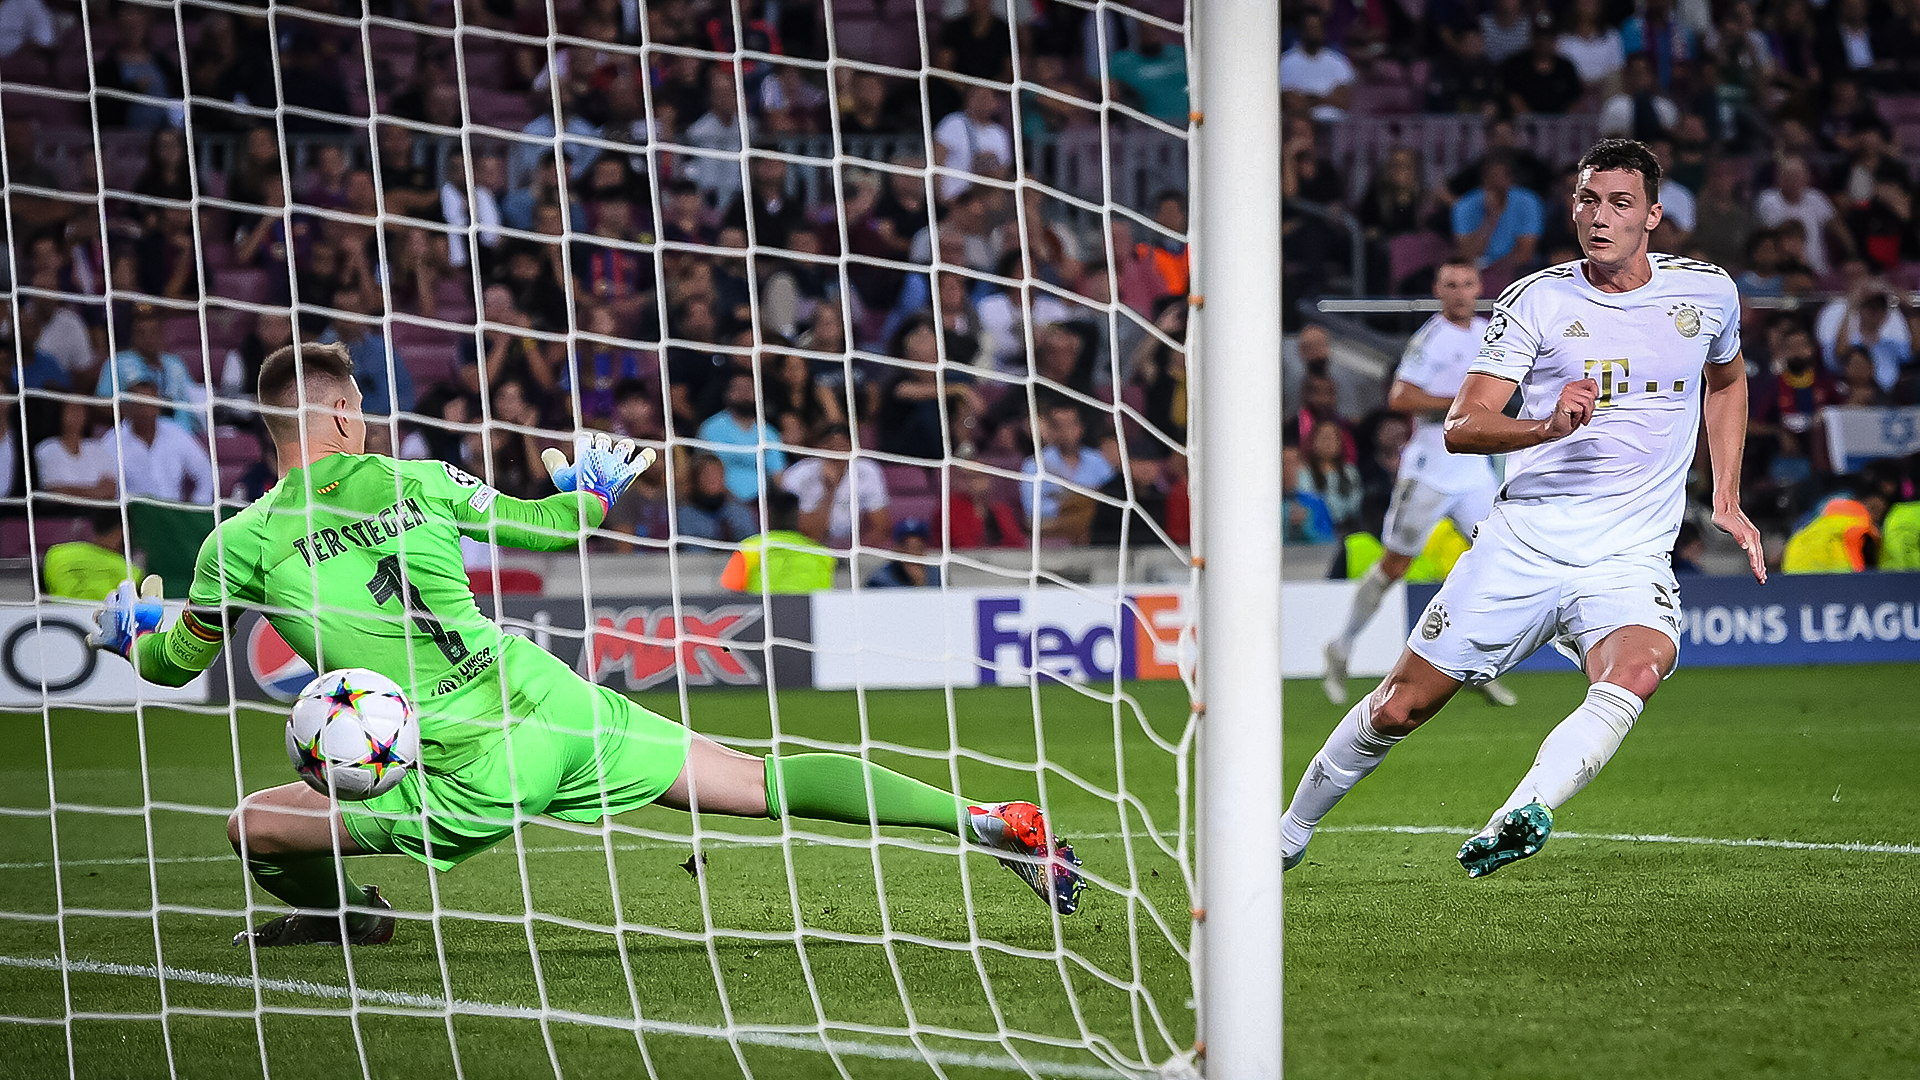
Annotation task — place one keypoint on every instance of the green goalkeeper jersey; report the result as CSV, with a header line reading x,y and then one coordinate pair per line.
x,y
356,561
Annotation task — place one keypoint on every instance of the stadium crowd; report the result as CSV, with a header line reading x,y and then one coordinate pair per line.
x,y
674,273
671,276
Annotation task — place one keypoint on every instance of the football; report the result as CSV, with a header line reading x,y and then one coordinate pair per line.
x,y
353,734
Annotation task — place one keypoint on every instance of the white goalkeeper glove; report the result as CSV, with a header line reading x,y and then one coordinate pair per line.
x,y
126,615
600,465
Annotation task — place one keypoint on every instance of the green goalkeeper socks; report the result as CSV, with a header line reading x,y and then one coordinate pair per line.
x,y
833,787
302,881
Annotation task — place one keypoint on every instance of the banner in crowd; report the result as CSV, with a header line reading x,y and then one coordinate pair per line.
x,y
1793,619
1857,434
44,657
636,643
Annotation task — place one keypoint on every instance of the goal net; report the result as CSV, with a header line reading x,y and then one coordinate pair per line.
x,y
897,289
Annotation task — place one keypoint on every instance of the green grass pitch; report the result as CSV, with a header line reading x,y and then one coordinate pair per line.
x,y
1601,957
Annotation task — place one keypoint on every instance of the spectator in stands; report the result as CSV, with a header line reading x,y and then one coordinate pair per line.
x,y
1594,48
1849,45
602,365
976,518
916,571
378,368
611,276
265,245
30,22
1783,432
146,361
1498,224
1508,30
159,458
717,129
416,255
1793,198
1314,76
910,403
73,464
1159,372
1857,385
1762,277
1679,215
509,456
134,67
832,485
1870,317
483,210
1667,43
776,213
782,559
1463,80
1326,471
1153,76
977,44
264,471
1319,407
1539,79
1304,518
972,141
1639,111
1056,511
165,175
868,109
736,426
43,371
1724,222
708,510
1876,204
797,404
90,569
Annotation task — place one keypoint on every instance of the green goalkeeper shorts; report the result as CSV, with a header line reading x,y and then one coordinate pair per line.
x,y
584,753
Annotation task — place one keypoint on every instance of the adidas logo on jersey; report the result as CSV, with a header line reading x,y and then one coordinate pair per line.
x,y
1576,330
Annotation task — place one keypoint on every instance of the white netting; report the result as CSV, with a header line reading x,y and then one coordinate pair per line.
x,y
944,252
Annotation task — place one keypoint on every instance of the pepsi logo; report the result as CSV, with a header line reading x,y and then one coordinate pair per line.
x,y
280,671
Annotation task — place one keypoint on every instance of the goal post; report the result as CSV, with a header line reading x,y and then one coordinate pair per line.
x,y
1237,362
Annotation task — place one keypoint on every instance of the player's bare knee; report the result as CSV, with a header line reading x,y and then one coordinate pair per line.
x,y
1397,708
1640,680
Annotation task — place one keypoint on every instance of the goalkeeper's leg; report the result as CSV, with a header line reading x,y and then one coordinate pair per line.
x,y
288,836
835,787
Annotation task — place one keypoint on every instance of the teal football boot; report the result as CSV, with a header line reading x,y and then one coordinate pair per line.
x,y
1520,833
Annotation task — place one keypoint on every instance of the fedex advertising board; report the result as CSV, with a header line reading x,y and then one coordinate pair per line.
x,y
996,637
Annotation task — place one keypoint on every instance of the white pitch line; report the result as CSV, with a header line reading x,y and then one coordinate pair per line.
x,y
459,1006
1645,838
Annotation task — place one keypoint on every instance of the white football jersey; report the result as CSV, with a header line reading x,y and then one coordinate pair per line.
x,y
1618,485
1436,360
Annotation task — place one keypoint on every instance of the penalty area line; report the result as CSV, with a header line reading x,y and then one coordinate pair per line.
x,y
460,1007
1645,838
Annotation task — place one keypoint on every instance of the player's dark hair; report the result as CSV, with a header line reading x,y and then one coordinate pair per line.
x,y
104,520
311,363
1628,154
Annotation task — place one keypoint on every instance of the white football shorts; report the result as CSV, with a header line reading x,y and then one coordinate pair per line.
x,y
1417,508
1504,600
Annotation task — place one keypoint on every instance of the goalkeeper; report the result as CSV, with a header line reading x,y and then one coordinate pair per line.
x,y
355,559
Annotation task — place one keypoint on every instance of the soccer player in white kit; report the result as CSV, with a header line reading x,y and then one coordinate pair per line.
x,y
1610,353
1433,483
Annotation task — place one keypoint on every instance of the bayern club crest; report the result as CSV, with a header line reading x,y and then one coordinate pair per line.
x,y
280,671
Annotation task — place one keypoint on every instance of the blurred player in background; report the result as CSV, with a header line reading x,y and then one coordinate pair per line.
x,y
355,559
1434,483
1609,353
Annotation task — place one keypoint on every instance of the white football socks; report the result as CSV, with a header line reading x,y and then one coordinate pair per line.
x,y
1366,601
1577,749
1351,752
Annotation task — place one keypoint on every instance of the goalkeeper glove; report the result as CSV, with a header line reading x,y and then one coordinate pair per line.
x,y
126,615
600,465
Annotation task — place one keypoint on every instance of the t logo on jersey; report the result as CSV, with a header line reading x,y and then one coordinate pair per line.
x,y
1611,375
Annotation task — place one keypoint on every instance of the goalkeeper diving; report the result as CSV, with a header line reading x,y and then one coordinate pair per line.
x,y
355,559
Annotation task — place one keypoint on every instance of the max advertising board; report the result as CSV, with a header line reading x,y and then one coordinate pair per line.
x,y
44,657
635,643
1798,619
996,637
